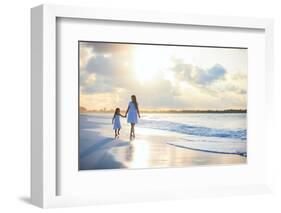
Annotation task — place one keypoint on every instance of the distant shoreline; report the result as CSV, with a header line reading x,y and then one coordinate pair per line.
x,y
172,111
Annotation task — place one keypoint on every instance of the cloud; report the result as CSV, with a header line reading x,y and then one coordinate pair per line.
x,y
107,67
214,81
101,65
85,54
208,76
107,79
108,48
235,83
197,75
159,93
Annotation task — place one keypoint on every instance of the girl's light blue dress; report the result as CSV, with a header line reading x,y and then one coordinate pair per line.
x,y
116,122
132,113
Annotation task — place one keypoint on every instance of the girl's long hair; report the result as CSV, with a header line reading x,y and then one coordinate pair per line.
x,y
134,100
116,112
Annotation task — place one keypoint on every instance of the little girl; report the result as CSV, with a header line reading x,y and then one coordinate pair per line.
x,y
116,122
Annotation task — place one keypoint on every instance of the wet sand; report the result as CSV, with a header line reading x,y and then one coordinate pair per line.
x,y
99,150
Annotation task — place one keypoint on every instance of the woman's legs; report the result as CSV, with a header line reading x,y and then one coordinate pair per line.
x,y
132,133
133,130
115,133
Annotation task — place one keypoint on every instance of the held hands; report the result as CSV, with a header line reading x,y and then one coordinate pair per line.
x,y
124,116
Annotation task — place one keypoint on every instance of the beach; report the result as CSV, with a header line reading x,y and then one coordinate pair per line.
x,y
156,146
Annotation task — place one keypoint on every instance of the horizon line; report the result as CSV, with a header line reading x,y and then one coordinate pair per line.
x,y
83,109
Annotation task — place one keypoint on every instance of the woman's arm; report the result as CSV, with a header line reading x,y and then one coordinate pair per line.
x,y
127,111
138,111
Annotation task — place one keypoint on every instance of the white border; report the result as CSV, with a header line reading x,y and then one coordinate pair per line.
x,y
72,182
43,190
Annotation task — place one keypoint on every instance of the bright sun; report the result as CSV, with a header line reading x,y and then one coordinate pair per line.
x,y
148,62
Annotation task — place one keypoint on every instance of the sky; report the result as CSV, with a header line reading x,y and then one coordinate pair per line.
x,y
162,77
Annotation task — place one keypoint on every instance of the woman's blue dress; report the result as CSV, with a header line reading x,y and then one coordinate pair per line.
x,y
132,116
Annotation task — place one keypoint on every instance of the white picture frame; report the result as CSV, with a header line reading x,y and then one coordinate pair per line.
x,y
44,155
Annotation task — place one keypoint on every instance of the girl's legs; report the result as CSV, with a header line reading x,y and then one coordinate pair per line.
x,y
115,133
118,132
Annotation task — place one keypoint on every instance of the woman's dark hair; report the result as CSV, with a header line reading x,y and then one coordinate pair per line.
x,y
134,100
116,111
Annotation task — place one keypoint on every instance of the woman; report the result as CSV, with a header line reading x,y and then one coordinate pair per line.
x,y
133,114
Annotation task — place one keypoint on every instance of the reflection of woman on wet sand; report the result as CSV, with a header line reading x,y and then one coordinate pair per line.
x,y
133,114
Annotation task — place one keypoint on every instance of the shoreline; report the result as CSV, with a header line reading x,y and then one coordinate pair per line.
x,y
99,150
170,112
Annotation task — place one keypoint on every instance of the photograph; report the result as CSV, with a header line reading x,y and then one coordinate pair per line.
x,y
144,106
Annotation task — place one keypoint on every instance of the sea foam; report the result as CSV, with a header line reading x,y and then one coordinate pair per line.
x,y
193,129
238,148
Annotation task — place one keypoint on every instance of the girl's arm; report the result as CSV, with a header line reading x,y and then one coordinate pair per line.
x,y
113,119
124,116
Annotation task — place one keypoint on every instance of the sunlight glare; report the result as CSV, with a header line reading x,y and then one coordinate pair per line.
x,y
148,62
141,154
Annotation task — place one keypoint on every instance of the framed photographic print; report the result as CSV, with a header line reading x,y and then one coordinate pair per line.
x,y
151,106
